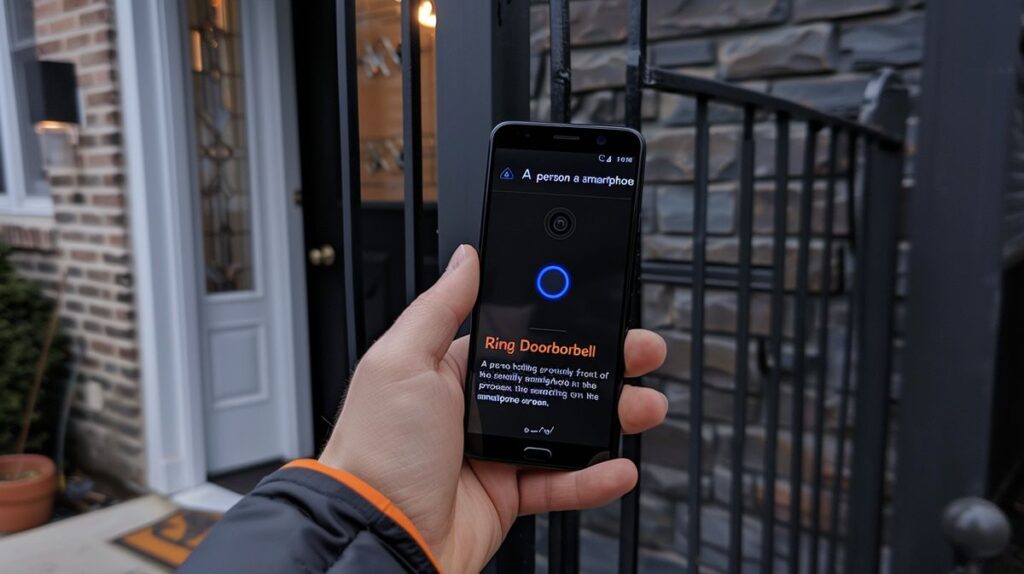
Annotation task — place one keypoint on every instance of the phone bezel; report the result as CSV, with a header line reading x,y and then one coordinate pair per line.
x,y
566,138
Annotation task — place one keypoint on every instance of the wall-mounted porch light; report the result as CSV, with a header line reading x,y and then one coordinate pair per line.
x,y
53,94
53,108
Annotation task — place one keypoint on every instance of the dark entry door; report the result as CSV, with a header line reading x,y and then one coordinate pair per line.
x,y
316,81
316,70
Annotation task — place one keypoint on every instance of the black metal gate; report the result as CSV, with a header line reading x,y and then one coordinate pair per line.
x,y
485,85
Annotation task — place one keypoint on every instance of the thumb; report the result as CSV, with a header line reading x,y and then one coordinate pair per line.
x,y
429,324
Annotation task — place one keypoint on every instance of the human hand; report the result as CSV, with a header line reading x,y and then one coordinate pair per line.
x,y
400,430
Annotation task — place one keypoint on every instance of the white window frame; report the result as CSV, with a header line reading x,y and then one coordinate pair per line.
x,y
15,199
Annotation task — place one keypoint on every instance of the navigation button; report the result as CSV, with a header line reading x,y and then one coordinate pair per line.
x,y
535,453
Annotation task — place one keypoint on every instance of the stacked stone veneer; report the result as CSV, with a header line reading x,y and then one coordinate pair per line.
x,y
821,53
87,239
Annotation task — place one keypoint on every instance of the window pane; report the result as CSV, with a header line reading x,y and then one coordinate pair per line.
x,y
35,176
22,20
221,143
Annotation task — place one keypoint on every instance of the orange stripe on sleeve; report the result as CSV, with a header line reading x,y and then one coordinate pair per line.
x,y
372,496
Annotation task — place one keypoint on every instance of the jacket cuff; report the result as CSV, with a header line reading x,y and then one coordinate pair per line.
x,y
371,495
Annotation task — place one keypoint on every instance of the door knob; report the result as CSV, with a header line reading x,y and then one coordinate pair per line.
x,y
323,255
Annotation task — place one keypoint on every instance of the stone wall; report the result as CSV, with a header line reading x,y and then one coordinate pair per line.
x,y
87,238
822,53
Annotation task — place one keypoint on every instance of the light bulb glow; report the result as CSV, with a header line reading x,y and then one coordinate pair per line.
x,y
52,126
426,14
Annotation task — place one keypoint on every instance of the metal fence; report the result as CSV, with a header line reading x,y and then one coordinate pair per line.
x,y
875,143
867,155
412,165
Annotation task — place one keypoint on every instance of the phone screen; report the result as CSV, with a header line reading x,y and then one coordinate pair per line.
x,y
558,253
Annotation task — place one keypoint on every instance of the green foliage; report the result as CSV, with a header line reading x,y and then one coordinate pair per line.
x,y
24,316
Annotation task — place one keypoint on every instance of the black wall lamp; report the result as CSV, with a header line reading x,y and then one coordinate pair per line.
x,y
52,96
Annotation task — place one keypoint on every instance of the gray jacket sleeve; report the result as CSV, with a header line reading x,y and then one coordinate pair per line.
x,y
300,519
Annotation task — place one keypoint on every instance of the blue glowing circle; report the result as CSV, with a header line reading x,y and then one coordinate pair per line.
x,y
553,269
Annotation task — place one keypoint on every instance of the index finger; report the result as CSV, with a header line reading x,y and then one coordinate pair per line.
x,y
429,323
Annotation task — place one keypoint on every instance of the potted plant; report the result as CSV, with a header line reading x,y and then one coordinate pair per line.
x,y
32,351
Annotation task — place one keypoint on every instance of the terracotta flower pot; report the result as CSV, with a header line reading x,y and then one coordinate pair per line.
x,y
27,485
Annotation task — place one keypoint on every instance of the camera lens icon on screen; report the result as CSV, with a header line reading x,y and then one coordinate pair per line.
x,y
559,223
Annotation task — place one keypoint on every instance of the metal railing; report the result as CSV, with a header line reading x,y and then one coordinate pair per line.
x,y
877,139
872,164
412,165
870,304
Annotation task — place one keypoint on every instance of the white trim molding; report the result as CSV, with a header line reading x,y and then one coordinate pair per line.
x,y
278,138
163,240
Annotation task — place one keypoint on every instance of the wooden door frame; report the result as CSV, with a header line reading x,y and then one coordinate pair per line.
x,y
154,96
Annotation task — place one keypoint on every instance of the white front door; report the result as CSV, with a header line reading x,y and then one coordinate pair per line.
x,y
243,179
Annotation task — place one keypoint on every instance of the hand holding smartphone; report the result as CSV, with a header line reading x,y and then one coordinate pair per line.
x,y
559,251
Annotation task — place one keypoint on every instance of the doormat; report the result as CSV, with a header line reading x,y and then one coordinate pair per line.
x,y
171,539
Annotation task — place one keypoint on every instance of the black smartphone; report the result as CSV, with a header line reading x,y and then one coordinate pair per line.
x,y
559,250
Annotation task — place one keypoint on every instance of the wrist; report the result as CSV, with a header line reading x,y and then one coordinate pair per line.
x,y
370,493
468,549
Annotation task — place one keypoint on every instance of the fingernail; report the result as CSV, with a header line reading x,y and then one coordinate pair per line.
x,y
460,255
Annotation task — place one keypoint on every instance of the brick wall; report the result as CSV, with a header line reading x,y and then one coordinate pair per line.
x,y
819,52
87,238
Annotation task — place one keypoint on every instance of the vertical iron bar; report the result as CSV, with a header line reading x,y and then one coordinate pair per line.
x,y
960,283
800,361
350,185
561,68
739,423
877,261
852,157
629,518
632,447
831,559
563,542
851,208
482,54
780,203
555,534
874,343
823,338
636,61
516,554
412,150
563,527
694,464
490,39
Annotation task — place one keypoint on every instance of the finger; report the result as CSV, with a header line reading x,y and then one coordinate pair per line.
x,y
645,352
641,408
430,322
549,490
455,359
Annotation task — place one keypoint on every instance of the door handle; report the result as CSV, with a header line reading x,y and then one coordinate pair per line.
x,y
323,255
